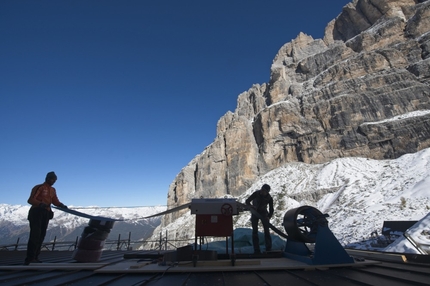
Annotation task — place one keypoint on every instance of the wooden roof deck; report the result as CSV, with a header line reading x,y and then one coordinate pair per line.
x,y
126,268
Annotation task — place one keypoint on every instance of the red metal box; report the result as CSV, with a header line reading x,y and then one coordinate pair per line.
x,y
214,225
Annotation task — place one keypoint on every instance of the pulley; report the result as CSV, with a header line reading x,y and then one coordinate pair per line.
x,y
302,223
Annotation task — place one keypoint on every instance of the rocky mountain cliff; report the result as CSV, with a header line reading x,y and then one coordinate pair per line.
x,y
326,98
358,194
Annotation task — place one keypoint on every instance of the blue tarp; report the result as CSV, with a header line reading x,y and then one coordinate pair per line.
x,y
243,242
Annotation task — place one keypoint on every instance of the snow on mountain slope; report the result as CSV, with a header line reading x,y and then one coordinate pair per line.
x,y
17,214
66,227
359,194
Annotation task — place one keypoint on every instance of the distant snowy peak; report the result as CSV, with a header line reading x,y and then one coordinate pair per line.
x,y
67,227
17,214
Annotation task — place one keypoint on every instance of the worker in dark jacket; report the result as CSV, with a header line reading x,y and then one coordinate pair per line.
x,y
41,198
260,199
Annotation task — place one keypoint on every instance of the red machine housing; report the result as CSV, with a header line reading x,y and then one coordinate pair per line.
x,y
214,217
214,225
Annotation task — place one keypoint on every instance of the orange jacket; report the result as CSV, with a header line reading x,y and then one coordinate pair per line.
x,y
44,193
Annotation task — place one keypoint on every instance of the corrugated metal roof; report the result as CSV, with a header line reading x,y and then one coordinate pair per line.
x,y
58,268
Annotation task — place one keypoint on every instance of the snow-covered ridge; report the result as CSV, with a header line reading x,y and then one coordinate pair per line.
x,y
359,194
67,227
17,214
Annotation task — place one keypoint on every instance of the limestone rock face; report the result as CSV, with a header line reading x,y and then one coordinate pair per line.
x,y
363,90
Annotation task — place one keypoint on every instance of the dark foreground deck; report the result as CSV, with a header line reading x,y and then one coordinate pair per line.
x,y
143,268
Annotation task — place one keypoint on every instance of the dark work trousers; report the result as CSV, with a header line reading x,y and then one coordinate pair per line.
x,y
267,237
39,219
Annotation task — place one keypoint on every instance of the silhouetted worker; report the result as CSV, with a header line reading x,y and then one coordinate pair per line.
x,y
260,199
41,198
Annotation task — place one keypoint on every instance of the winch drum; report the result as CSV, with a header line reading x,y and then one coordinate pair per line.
x,y
301,224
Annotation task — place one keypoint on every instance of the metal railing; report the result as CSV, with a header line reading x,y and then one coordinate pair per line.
x,y
110,244
117,244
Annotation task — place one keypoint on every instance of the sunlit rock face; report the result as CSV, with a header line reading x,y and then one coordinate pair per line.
x,y
361,91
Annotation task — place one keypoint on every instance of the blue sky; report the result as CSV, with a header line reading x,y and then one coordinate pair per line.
x,y
117,97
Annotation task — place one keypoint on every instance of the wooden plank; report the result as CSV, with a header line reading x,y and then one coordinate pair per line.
x,y
395,257
217,263
55,266
84,215
129,266
140,265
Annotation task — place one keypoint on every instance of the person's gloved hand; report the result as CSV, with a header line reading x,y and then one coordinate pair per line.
x,y
43,205
63,206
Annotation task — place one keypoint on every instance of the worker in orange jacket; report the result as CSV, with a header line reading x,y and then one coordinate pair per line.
x,y
41,198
